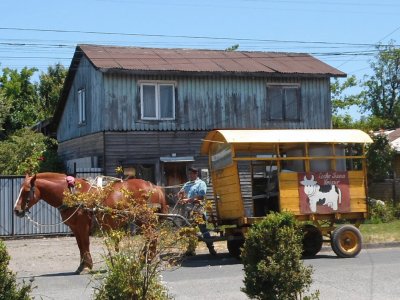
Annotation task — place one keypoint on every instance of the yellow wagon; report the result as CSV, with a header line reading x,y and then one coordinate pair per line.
x,y
317,174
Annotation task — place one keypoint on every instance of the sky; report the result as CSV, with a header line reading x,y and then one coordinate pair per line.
x,y
341,33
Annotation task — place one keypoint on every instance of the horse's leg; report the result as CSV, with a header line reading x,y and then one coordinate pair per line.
x,y
81,230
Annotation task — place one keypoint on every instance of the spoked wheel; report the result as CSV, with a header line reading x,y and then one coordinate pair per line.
x,y
312,240
235,244
346,241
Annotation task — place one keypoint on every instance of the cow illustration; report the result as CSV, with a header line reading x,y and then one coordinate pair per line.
x,y
329,195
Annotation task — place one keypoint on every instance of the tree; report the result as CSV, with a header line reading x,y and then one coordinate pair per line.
x,y
339,99
382,89
232,48
342,101
18,91
380,155
5,106
50,87
27,152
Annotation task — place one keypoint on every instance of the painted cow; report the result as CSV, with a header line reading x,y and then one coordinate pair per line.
x,y
329,195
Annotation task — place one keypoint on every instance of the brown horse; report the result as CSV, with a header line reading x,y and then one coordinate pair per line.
x,y
50,187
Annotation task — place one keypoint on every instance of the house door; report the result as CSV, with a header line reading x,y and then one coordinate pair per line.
x,y
175,173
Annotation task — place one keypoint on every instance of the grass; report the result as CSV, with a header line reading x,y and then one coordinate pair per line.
x,y
383,232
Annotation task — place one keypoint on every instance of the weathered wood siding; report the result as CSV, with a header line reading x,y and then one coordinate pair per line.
x,y
86,146
202,103
92,81
132,147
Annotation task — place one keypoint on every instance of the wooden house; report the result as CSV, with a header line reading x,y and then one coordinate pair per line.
x,y
148,109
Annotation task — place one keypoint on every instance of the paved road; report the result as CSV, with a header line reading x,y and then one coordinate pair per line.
x,y
374,274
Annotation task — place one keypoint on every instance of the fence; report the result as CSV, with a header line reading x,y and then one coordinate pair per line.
x,y
387,190
47,219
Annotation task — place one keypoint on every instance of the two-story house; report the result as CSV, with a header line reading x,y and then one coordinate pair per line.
x,y
148,109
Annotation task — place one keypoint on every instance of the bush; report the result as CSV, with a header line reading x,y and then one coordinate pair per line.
x,y
9,290
131,277
383,213
272,260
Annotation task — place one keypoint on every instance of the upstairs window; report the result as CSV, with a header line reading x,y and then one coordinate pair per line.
x,y
157,101
81,106
284,102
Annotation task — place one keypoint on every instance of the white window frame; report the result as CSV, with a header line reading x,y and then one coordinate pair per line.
x,y
81,106
157,85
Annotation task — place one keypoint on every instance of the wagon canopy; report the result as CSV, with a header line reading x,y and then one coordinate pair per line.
x,y
284,136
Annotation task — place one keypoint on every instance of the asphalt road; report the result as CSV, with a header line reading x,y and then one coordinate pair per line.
x,y
374,274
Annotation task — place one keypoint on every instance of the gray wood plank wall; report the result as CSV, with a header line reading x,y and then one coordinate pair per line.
x,y
202,103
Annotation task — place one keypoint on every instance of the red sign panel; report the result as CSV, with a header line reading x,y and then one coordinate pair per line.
x,y
324,192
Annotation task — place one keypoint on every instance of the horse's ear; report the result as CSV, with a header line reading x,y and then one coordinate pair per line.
x,y
33,179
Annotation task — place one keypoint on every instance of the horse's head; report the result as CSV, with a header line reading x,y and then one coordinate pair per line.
x,y
28,196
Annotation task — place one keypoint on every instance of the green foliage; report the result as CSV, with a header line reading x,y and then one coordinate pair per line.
x,y
232,48
9,290
50,86
18,90
272,260
339,99
379,158
379,213
131,277
23,103
5,106
28,152
382,89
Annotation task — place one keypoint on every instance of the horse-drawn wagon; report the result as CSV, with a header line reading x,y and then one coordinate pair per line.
x,y
317,174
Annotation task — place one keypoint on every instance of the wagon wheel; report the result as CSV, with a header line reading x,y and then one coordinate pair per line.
x,y
346,241
235,244
312,240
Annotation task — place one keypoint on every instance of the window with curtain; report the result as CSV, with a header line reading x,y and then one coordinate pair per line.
x,y
157,101
284,102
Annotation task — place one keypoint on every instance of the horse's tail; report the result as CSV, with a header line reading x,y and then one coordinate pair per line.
x,y
162,199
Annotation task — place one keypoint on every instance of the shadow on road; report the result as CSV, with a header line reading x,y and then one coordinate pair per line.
x,y
201,260
320,256
58,274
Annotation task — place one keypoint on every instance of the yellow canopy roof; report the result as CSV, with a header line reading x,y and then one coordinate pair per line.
x,y
282,136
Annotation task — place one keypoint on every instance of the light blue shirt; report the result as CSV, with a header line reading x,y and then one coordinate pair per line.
x,y
195,188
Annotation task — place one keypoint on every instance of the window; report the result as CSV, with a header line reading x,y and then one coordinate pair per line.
x,y
81,106
157,101
284,102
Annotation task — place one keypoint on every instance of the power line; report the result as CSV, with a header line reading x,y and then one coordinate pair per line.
x,y
186,36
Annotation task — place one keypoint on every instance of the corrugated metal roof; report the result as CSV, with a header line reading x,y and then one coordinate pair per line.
x,y
283,136
214,61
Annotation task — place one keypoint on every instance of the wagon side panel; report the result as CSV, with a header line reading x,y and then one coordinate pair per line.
x,y
228,197
358,202
289,193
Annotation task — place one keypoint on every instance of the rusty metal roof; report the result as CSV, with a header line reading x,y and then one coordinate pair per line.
x,y
205,61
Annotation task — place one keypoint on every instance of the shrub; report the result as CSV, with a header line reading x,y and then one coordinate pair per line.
x,y
385,213
272,260
9,290
134,262
130,276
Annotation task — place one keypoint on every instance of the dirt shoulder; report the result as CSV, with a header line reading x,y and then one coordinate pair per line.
x,y
46,255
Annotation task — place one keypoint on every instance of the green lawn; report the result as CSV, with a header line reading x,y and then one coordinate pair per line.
x,y
385,232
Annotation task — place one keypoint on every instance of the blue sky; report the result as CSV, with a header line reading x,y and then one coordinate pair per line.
x,y
341,33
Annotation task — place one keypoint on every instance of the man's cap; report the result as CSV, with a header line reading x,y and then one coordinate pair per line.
x,y
193,169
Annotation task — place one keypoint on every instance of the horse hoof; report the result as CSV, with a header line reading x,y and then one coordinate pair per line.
x,y
83,271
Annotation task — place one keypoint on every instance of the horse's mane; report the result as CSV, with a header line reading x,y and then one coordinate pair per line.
x,y
50,174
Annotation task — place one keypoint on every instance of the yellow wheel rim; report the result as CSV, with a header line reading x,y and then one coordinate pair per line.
x,y
348,241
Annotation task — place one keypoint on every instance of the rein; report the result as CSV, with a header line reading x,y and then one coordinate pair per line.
x,y
37,224
60,208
